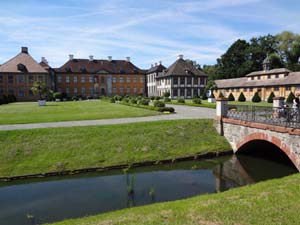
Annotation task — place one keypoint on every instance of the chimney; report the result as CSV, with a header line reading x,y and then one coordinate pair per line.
x,y
128,59
24,50
71,57
155,64
44,60
109,58
160,62
91,58
180,57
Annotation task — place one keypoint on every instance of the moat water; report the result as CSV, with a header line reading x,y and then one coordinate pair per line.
x,y
39,201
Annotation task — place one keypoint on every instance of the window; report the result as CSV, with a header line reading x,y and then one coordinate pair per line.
x,y
59,79
30,93
121,91
175,80
287,88
135,90
11,91
182,80
277,76
128,90
1,78
121,79
10,79
114,90
21,79
245,89
269,76
68,90
258,78
134,79
91,79
82,79
128,79
252,78
114,79
83,91
31,79
276,88
142,79
102,79
195,92
175,92
189,80
21,93
75,91
142,90
67,79
40,78
75,79
91,90
202,81
1,91
251,89
188,92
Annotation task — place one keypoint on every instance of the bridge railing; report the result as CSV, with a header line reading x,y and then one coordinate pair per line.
x,y
279,116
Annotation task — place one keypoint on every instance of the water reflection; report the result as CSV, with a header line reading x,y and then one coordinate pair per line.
x,y
40,201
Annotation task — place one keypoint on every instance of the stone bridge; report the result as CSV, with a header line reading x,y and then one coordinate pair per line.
x,y
242,130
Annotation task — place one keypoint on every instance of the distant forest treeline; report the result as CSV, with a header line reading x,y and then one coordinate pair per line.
x,y
243,57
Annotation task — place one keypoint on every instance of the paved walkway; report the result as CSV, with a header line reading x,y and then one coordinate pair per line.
x,y
182,112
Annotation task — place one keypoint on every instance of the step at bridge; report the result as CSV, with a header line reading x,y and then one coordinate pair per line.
x,y
278,125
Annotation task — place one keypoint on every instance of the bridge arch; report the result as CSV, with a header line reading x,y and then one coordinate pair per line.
x,y
270,139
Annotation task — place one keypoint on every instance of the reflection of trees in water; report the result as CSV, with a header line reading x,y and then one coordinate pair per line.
x,y
130,183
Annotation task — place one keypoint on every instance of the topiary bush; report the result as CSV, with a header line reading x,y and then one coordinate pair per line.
x,y
167,94
221,95
166,109
144,102
197,101
159,104
126,100
133,101
180,100
157,98
152,98
167,100
118,98
231,97
57,95
256,97
270,98
242,97
112,100
290,98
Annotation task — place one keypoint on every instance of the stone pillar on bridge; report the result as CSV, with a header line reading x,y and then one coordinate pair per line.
x,y
278,102
221,111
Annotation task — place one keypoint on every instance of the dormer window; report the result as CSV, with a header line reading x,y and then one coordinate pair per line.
x,y
22,68
277,76
258,78
252,78
269,76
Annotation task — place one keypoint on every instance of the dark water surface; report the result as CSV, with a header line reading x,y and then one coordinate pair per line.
x,y
47,200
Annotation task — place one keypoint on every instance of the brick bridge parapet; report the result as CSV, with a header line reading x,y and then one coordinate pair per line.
x,y
239,133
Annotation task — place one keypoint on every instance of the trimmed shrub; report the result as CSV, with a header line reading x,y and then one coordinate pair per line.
x,y
159,104
231,97
152,98
126,100
256,97
112,100
118,98
167,94
290,98
180,100
221,95
242,97
144,102
270,98
204,97
197,101
167,100
166,109
133,101
57,95
157,98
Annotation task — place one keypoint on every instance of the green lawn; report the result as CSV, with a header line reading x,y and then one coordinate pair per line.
x,y
270,202
56,149
30,112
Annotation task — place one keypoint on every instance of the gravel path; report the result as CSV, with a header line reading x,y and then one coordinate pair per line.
x,y
182,112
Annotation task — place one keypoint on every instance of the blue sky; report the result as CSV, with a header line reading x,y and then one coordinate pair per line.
x,y
146,30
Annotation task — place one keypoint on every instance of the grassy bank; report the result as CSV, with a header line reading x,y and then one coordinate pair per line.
x,y
30,112
56,149
271,202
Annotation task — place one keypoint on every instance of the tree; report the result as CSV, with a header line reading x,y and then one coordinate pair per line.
x,y
270,98
231,97
290,98
39,88
242,97
256,97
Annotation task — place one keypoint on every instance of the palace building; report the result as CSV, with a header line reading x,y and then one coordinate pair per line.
x,y
280,81
95,77
182,80
156,70
18,74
